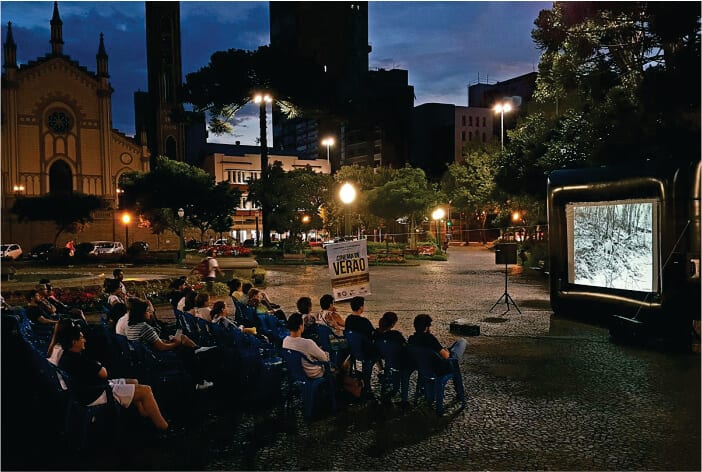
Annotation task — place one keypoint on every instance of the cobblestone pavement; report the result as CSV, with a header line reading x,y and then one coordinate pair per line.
x,y
544,393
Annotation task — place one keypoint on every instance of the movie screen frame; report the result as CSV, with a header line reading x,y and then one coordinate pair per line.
x,y
614,244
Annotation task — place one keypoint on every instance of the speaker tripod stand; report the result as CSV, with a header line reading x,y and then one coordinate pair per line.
x,y
506,297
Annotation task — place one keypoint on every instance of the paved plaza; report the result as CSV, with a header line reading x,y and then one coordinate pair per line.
x,y
544,392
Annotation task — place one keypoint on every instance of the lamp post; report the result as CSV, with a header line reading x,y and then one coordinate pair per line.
x,y
19,190
181,241
262,99
347,193
502,108
126,219
328,142
437,215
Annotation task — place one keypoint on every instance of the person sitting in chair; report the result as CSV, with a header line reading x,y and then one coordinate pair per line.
x,y
385,329
422,337
356,321
329,316
89,379
309,348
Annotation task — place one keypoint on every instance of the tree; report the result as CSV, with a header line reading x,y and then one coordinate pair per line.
x,y
618,84
470,185
171,185
408,195
70,213
230,81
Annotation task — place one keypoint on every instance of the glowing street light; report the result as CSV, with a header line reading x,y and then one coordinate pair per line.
x,y
347,194
126,219
328,142
502,108
437,215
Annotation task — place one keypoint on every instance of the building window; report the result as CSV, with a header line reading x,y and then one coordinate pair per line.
x,y
470,136
483,125
470,120
484,138
463,120
463,135
59,122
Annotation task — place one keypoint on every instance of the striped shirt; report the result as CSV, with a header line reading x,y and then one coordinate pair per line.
x,y
142,332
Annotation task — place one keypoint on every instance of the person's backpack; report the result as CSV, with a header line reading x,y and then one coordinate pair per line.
x,y
203,267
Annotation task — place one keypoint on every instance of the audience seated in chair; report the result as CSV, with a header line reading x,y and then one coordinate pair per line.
x,y
329,316
235,289
202,307
89,379
38,310
356,321
304,307
139,330
50,296
309,348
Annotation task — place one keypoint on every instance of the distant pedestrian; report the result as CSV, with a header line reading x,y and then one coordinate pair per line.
x,y
70,245
208,269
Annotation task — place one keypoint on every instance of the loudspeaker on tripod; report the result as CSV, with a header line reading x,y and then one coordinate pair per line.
x,y
506,253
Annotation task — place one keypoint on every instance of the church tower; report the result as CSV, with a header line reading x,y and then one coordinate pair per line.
x,y
160,113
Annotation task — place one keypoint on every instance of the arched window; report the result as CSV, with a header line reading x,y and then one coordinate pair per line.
x,y
60,179
171,150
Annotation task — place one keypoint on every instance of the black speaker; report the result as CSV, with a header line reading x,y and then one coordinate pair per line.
x,y
506,253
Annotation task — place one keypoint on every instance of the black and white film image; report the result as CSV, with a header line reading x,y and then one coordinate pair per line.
x,y
613,246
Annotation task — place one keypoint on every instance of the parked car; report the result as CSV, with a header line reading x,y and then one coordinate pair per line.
x,y
314,242
108,248
10,251
139,246
42,252
221,242
84,250
249,243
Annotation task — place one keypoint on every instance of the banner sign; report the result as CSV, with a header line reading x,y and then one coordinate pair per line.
x,y
348,269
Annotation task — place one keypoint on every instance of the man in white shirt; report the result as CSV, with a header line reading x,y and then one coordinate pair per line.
x,y
306,346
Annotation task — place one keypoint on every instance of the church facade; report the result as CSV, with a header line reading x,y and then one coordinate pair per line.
x,y
57,136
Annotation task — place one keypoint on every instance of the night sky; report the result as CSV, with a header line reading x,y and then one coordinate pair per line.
x,y
444,45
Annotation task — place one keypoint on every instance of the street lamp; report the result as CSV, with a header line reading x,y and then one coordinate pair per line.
x,y
502,108
181,241
437,215
347,194
262,99
328,142
126,219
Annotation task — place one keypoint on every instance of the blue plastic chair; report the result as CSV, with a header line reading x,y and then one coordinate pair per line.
x,y
432,382
362,349
338,350
398,369
309,388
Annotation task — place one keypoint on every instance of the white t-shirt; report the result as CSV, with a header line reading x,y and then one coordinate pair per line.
x,y
121,325
212,265
310,349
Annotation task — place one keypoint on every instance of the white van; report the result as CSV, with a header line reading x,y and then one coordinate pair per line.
x,y
105,248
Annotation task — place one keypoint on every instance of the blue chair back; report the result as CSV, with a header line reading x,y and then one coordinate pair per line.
x,y
310,388
435,382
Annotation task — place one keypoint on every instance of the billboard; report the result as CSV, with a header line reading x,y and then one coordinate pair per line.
x,y
348,269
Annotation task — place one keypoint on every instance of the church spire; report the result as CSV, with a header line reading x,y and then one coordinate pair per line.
x,y
56,32
101,57
10,48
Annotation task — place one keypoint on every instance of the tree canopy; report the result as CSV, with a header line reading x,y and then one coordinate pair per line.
x,y
70,212
171,185
618,84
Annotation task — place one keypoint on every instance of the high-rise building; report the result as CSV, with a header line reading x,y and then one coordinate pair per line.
x,y
160,111
371,113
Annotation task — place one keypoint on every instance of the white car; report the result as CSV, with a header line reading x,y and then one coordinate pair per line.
x,y
10,251
103,248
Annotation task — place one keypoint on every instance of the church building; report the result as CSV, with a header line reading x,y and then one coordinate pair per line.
x,y
57,135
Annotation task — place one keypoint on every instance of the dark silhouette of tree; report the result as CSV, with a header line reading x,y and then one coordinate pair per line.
x,y
70,212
